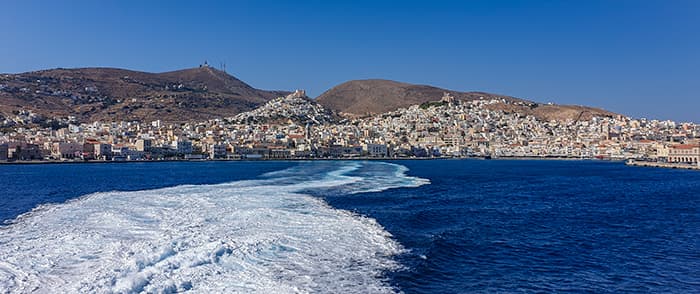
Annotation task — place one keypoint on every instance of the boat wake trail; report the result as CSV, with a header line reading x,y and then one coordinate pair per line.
x,y
263,236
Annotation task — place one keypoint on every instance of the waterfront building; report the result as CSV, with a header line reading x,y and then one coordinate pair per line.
x,y
217,151
3,151
103,151
89,149
182,147
280,153
119,150
143,145
376,150
67,150
23,151
684,153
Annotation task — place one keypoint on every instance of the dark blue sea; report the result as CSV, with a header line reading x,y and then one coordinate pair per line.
x,y
423,226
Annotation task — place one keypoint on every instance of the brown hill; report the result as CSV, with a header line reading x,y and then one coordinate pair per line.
x,y
111,94
363,97
548,112
366,97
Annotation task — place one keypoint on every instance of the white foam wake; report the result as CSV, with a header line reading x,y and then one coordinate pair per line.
x,y
259,236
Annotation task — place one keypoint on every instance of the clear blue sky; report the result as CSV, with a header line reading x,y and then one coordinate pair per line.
x,y
641,58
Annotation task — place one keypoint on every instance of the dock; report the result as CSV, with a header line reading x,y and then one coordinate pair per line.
x,y
662,164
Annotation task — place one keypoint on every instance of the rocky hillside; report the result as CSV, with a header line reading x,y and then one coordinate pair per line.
x,y
367,97
548,112
110,94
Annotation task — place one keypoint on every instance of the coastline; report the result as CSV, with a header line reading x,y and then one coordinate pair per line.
x,y
41,162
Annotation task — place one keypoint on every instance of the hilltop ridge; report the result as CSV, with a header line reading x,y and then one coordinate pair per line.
x,y
201,93
91,94
375,96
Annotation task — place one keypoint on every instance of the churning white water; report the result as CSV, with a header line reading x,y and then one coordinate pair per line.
x,y
256,236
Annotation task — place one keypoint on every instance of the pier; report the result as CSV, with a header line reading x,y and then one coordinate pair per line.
x,y
632,162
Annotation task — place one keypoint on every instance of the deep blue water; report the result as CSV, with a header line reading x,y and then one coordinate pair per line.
x,y
479,226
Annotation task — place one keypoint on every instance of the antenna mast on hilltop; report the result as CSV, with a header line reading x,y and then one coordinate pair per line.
x,y
223,66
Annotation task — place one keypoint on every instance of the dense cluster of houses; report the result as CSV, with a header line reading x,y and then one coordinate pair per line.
x,y
296,127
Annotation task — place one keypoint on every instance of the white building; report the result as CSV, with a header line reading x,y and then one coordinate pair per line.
x,y
376,150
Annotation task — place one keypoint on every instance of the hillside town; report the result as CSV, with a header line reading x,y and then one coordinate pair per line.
x,y
295,127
